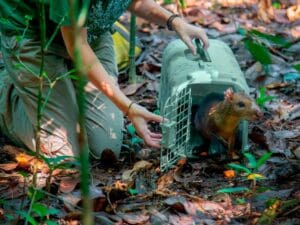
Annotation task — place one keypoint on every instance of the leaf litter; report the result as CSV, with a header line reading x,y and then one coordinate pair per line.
x,y
135,191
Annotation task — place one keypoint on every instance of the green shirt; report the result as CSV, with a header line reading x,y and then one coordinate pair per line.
x,y
17,16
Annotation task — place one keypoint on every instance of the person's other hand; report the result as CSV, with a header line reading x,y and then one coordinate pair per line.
x,y
139,116
188,32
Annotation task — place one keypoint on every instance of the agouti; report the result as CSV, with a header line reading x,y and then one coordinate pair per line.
x,y
217,117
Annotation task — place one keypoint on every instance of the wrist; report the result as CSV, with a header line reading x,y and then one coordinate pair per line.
x,y
171,20
129,108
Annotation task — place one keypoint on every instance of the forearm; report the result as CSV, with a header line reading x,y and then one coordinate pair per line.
x,y
150,10
95,71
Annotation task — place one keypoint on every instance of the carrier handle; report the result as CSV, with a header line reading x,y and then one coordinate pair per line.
x,y
201,52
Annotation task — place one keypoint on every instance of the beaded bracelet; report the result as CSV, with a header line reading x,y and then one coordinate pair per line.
x,y
170,20
131,103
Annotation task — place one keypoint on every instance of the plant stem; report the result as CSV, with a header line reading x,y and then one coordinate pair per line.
x,y
132,69
76,12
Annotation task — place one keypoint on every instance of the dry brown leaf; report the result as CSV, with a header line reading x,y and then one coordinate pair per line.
x,y
280,16
236,3
132,88
181,220
293,13
24,160
141,165
135,218
119,185
12,151
8,166
165,180
68,184
265,11
168,178
128,175
295,32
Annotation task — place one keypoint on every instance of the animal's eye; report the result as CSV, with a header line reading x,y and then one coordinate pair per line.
x,y
241,104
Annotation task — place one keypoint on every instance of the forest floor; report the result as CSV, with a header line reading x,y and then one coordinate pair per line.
x,y
204,190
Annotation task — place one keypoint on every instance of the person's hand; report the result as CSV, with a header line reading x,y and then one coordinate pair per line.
x,y
139,116
188,32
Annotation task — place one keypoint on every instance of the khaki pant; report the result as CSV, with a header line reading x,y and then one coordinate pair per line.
x,y
18,100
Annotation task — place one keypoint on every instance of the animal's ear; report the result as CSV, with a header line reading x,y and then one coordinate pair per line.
x,y
228,94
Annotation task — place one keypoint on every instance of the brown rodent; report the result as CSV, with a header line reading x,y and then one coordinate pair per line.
x,y
218,117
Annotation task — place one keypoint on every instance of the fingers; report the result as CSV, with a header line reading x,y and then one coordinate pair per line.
x,y
204,40
152,142
155,135
188,41
154,117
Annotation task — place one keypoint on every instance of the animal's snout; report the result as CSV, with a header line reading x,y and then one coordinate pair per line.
x,y
257,113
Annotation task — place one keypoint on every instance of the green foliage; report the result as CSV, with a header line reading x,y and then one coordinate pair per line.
x,y
233,190
248,170
263,159
41,212
253,165
181,2
263,97
258,44
133,191
297,67
276,5
134,138
239,167
259,52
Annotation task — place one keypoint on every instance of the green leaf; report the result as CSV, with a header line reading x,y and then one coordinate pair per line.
x,y
53,211
241,31
240,201
239,167
276,5
258,51
251,160
27,217
55,160
263,98
156,112
182,3
40,209
233,190
263,159
50,222
136,140
38,195
275,39
297,67
131,130
133,191
23,174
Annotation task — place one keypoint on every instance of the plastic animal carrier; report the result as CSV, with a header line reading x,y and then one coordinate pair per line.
x,y
185,80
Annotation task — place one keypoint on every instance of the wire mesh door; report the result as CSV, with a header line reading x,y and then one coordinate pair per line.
x,y
176,128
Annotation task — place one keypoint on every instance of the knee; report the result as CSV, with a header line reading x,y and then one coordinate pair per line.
x,y
106,138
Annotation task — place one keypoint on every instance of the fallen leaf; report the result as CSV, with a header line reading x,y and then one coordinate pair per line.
x,y
265,11
293,13
280,16
132,88
295,32
141,165
135,218
68,184
8,166
229,174
236,3
24,160
181,220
